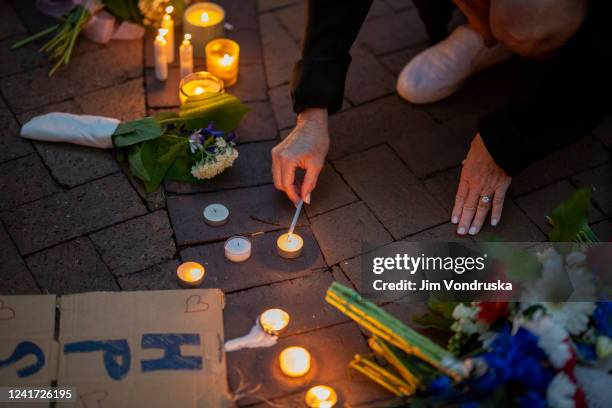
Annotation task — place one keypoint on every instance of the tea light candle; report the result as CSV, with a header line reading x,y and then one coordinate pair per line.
x,y
273,321
168,24
197,83
237,249
190,274
204,21
161,58
294,361
222,59
321,396
290,245
186,56
215,214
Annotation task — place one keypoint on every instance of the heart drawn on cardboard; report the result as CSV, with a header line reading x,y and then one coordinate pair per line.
x,y
6,313
195,304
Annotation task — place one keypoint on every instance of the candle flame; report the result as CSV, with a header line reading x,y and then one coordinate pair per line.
x,y
274,320
226,60
169,10
204,17
187,37
198,90
162,32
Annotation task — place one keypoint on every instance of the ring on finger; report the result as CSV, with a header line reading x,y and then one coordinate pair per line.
x,y
486,199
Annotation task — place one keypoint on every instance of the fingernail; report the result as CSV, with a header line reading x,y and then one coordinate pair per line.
x,y
461,231
473,231
307,198
494,221
455,220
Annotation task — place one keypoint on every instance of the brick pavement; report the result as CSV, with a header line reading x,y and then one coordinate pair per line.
x,y
72,220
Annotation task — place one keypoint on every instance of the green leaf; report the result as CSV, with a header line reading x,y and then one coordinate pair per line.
x,y
571,217
224,110
126,10
136,131
165,116
519,265
174,148
151,151
137,167
180,170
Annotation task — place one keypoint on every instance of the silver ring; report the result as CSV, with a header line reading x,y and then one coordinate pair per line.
x,y
486,199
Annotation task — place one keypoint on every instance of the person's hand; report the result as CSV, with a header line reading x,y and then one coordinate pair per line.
x,y
483,185
306,148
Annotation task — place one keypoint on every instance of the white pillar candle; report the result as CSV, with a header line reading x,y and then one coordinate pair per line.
x,y
186,56
161,60
238,249
215,214
168,24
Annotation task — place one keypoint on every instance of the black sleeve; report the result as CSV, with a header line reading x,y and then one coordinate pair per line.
x,y
331,28
571,98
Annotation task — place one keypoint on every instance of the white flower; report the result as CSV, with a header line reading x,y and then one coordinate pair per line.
x,y
466,321
211,167
560,392
552,338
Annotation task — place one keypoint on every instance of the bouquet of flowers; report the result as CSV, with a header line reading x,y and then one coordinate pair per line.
x,y
191,145
99,20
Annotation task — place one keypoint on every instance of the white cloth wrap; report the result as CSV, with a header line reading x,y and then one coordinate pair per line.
x,y
84,130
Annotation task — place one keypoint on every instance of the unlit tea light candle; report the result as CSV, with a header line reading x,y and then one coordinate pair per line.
x,y
321,396
215,214
237,249
190,274
294,361
197,83
204,21
273,321
290,245
222,60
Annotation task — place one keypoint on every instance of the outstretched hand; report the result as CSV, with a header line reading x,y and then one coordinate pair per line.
x,y
305,148
482,187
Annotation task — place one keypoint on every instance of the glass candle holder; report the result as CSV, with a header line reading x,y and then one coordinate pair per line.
x,y
204,21
321,396
197,83
222,60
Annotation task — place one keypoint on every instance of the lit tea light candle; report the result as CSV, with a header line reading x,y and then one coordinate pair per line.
x,y
167,23
190,274
290,245
237,249
186,56
161,57
273,321
321,396
222,59
215,214
204,21
197,83
294,361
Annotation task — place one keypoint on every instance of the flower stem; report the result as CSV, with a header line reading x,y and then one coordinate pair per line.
x,y
34,37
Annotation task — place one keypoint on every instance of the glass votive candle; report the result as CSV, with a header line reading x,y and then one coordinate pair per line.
x,y
190,274
197,83
222,59
204,21
321,396
294,361
273,321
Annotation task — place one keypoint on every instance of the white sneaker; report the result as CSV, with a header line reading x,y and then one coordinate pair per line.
x,y
440,70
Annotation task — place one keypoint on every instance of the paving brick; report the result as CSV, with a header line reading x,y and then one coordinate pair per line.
x,y
155,200
603,230
67,106
32,89
33,19
72,267
443,186
600,179
393,32
438,147
303,298
399,4
253,167
280,50
331,192
14,275
251,85
242,15
282,106
158,277
250,46
541,203
63,216
391,191
258,124
442,233
252,210
604,132
106,101
162,94
13,61
331,350
265,5
11,24
11,145
367,79
24,180
379,8
396,61
264,267
136,244
293,20
374,123
575,158
347,232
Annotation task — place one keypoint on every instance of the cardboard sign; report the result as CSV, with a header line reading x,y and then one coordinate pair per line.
x,y
123,349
